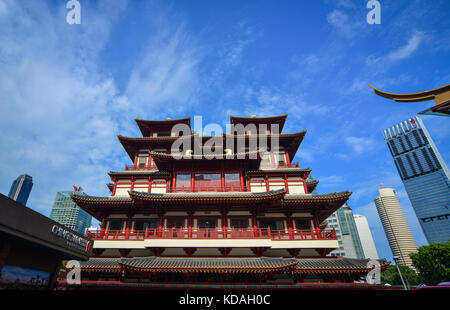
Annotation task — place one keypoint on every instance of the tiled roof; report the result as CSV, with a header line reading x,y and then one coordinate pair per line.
x,y
314,197
336,264
101,264
207,264
231,264
95,199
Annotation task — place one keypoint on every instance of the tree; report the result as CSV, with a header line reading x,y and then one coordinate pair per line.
x,y
433,262
391,276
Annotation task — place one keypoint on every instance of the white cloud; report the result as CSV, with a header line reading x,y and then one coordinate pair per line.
x,y
360,144
59,113
341,22
407,50
168,72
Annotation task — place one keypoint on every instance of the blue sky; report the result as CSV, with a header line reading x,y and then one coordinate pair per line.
x,y
68,90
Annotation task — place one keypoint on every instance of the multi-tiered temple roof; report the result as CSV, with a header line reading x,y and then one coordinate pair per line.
x,y
237,213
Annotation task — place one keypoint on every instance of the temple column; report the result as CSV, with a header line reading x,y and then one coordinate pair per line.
x,y
190,222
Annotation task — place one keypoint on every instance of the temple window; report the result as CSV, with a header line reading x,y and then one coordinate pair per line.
x,y
272,224
142,161
143,225
163,134
115,225
175,223
183,181
303,224
280,158
206,223
239,223
265,160
207,180
232,180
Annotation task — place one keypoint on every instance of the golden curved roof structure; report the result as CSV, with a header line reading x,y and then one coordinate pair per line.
x,y
441,97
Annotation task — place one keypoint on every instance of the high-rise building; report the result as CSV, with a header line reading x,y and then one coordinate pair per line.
x,y
347,233
365,235
424,174
67,213
395,226
21,188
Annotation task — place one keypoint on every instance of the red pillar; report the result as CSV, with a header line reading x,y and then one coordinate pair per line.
x,y
286,183
149,184
222,179
132,183
174,180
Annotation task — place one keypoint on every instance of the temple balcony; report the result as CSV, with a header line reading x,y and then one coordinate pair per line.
x,y
140,167
215,238
204,189
279,165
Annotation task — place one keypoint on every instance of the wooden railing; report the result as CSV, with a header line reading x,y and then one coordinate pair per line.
x,y
214,233
138,167
198,189
279,165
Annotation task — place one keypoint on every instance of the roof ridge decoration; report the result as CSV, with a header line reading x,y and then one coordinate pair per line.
x,y
440,95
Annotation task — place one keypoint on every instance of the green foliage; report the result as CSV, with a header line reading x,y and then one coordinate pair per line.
x,y
392,277
433,263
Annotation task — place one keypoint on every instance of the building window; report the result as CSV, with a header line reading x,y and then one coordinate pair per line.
x,y
239,223
206,223
280,158
175,223
183,181
115,225
272,224
303,224
142,161
164,134
143,225
232,180
210,180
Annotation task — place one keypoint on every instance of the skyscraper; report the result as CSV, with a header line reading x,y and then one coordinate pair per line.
x,y
348,238
21,188
395,226
424,174
67,213
365,235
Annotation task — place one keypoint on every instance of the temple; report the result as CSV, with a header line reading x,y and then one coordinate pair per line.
x,y
235,211
441,97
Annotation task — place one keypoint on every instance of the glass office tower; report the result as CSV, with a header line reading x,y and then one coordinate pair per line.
x,y
21,188
67,213
424,174
348,237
